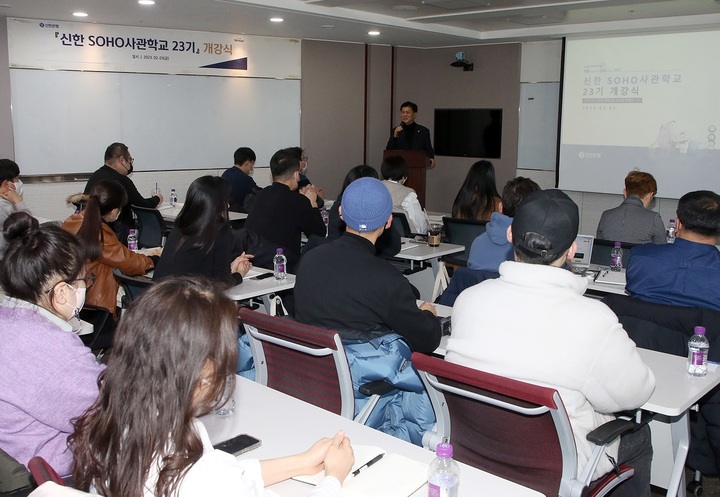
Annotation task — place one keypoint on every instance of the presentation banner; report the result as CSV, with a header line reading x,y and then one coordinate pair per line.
x,y
78,46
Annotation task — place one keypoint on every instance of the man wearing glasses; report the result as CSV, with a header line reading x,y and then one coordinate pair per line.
x,y
117,167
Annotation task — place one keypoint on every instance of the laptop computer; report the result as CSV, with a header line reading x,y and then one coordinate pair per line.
x,y
581,262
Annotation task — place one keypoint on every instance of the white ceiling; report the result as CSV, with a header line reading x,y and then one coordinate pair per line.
x,y
413,23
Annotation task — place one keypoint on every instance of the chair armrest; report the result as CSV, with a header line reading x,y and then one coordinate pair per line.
x,y
606,433
378,387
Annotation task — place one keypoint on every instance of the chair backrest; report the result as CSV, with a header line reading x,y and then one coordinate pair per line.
x,y
507,427
602,248
103,327
665,328
151,226
401,225
133,286
41,471
462,232
462,278
303,361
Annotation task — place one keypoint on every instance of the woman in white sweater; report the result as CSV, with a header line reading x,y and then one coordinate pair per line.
x,y
174,351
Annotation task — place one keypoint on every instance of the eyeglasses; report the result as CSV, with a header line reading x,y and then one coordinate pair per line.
x,y
304,159
89,279
130,160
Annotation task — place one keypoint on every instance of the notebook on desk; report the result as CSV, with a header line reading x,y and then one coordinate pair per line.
x,y
611,277
581,262
392,476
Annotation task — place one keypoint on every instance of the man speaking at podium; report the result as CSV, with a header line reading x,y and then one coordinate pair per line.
x,y
409,135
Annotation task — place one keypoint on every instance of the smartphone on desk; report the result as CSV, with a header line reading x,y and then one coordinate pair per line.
x,y
263,276
238,445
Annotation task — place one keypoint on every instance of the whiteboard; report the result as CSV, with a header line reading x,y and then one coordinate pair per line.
x,y
64,120
537,137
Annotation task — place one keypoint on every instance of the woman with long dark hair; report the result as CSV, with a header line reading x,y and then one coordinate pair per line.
x,y
102,247
174,352
202,240
478,196
47,376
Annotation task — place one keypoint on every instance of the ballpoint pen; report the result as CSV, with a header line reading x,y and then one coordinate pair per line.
x,y
368,464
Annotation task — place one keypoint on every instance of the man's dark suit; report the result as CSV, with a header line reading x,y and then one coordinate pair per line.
x,y
420,139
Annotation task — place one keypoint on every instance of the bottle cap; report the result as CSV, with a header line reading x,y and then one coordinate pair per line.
x,y
618,245
699,330
279,251
444,450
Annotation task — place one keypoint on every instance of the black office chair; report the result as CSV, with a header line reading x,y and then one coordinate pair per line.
x,y
133,286
461,232
602,248
103,328
151,227
401,225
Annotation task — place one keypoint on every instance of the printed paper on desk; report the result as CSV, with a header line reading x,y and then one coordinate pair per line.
x,y
253,273
393,476
612,277
363,454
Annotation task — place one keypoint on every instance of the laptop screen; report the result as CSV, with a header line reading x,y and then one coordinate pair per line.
x,y
584,251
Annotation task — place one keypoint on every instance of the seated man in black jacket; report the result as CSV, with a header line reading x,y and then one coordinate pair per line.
x,y
345,287
279,215
118,166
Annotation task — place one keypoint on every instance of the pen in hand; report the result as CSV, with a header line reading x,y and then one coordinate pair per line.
x,y
368,464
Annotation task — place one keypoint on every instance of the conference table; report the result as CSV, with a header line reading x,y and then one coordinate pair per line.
x,y
169,213
286,425
675,394
419,251
252,287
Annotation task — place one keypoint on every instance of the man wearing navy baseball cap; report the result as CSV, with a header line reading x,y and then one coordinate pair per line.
x,y
534,324
344,286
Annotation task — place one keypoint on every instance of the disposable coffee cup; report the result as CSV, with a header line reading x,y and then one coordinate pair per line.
x,y
434,235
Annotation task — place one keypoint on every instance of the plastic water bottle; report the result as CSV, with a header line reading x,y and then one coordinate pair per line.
x,y
671,231
173,197
133,239
280,265
326,219
698,347
444,473
616,255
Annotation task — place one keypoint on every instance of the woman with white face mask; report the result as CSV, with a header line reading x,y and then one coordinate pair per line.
x,y
11,191
47,376
102,247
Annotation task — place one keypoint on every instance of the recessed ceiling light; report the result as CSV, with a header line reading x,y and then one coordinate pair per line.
x,y
276,19
5,6
327,26
80,14
374,33
146,2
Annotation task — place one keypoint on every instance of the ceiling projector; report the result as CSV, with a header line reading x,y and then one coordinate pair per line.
x,y
461,61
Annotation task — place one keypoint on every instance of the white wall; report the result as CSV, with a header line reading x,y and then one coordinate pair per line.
x,y
541,63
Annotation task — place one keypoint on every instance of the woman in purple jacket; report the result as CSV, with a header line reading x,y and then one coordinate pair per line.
x,y
47,376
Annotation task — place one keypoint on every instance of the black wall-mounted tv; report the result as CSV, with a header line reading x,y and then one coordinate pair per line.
x,y
468,132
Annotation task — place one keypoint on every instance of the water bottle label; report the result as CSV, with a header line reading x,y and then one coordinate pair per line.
x,y
434,490
697,357
281,268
